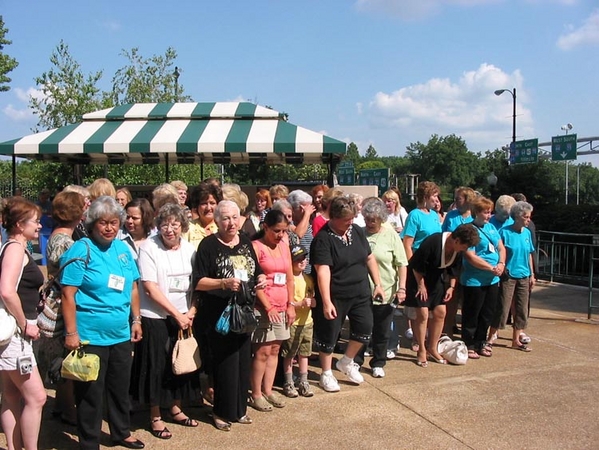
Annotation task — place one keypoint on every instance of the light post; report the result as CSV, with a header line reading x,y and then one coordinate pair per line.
x,y
492,180
513,94
567,128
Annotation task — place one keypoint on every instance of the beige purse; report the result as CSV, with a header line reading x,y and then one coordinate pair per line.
x,y
186,353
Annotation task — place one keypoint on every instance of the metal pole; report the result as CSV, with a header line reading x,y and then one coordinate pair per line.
x,y
514,117
578,184
566,182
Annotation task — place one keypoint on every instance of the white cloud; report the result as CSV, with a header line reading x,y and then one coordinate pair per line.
x,y
21,112
467,108
17,114
587,34
111,25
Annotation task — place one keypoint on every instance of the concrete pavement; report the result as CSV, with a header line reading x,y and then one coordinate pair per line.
x,y
546,399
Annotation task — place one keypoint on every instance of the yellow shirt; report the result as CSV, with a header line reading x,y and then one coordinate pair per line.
x,y
304,287
197,232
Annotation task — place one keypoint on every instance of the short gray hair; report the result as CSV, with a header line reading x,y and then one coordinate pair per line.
x,y
223,204
297,197
280,205
102,207
176,212
503,205
374,207
519,209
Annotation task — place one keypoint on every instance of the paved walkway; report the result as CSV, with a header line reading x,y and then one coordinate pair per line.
x,y
546,399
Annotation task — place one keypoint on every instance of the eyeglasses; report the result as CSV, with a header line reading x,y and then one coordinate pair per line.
x,y
172,226
34,221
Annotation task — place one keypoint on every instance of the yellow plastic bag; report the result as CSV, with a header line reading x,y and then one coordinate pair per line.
x,y
80,366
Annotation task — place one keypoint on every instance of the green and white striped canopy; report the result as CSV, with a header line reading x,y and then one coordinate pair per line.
x,y
139,133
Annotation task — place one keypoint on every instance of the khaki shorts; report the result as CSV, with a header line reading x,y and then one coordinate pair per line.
x,y
300,342
268,331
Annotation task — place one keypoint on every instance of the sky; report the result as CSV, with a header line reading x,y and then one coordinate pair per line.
x,y
386,73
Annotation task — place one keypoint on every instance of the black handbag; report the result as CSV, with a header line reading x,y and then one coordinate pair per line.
x,y
242,318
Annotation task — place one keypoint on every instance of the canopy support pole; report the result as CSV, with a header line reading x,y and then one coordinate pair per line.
x,y
166,168
331,176
14,174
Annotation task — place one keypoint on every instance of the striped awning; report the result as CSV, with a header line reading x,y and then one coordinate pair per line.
x,y
142,133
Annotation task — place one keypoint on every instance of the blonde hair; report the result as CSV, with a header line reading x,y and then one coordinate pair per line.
x,y
163,194
100,187
234,193
178,184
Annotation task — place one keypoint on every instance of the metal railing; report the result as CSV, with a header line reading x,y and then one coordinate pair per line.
x,y
569,258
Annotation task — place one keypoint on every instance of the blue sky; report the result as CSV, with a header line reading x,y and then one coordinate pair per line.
x,y
381,72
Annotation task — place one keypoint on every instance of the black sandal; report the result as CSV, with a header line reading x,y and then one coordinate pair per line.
x,y
160,434
186,422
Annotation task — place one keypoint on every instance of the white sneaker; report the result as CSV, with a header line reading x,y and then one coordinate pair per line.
x,y
351,370
390,354
329,383
409,333
524,338
378,372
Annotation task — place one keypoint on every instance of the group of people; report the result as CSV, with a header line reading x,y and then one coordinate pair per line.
x,y
135,274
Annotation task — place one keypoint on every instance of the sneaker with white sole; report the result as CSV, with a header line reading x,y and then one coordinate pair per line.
x,y
329,383
304,389
409,333
289,390
378,372
390,354
351,370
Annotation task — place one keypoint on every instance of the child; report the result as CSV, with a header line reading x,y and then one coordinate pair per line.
x,y
300,342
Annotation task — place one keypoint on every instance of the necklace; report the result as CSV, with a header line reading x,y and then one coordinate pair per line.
x,y
231,243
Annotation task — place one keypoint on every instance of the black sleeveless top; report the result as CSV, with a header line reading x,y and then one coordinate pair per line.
x,y
28,289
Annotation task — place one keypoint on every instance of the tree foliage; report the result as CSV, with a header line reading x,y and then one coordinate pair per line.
x,y
147,79
67,93
7,63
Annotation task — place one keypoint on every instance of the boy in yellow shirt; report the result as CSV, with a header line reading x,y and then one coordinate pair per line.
x,y
300,342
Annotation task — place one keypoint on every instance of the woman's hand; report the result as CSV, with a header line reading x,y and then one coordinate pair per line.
x,y
273,316
72,341
32,331
400,295
261,282
290,314
183,321
307,302
329,310
378,292
448,294
232,284
422,293
136,332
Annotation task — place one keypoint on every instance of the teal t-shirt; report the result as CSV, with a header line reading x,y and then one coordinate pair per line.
x,y
518,247
421,225
454,219
103,304
499,225
487,249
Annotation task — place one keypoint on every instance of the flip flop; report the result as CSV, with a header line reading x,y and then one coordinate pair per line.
x,y
423,364
522,348
473,355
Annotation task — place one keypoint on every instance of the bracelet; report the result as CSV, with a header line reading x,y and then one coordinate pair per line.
x,y
74,333
136,318
401,289
501,262
451,287
136,322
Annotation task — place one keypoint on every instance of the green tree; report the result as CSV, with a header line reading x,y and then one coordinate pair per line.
x,y
371,153
147,79
353,154
7,64
444,160
67,92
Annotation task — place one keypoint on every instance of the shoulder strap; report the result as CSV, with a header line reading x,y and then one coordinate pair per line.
x,y
72,260
6,244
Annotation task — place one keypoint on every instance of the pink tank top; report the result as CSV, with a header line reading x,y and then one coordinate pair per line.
x,y
275,262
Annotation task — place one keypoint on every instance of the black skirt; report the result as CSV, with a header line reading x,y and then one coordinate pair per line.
x,y
152,377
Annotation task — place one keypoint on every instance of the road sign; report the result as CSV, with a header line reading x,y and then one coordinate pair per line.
x,y
345,164
346,176
563,148
522,152
375,177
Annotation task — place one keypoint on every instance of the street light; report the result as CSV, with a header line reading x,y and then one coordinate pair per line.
x,y
567,127
492,180
513,94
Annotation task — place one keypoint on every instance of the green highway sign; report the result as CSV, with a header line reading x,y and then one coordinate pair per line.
x,y
522,152
375,177
345,164
346,176
563,148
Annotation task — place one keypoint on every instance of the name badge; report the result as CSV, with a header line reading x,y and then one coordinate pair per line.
x,y
242,274
116,282
491,248
178,283
280,279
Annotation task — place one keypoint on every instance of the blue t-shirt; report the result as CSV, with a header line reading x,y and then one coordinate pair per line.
x,y
421,225
454,219
103,306
488,250
499,225
518,247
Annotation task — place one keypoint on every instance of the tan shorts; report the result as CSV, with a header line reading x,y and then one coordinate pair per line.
x,y
268,331
300,342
